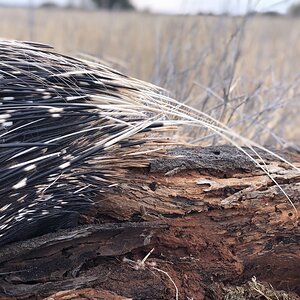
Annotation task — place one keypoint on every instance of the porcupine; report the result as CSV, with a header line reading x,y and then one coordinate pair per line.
x,y
67,128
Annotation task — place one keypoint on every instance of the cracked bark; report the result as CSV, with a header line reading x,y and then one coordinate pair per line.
x,y
212,216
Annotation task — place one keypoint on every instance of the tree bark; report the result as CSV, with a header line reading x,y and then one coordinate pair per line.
x,y
212,216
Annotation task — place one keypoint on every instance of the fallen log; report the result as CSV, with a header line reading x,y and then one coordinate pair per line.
x,y
212,216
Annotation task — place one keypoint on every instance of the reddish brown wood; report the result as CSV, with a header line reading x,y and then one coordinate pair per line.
x,y
212,216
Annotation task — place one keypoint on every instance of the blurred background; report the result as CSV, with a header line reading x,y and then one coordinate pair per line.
x,y
236,60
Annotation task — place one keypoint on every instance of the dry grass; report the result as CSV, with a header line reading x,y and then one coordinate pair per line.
x,y
244,73
254,290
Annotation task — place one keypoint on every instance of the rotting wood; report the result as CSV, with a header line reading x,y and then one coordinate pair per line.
x,y
212,216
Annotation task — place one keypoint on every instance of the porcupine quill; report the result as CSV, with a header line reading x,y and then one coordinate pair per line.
x,y
68,127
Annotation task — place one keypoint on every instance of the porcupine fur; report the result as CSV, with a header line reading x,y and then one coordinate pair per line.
x,y
67,129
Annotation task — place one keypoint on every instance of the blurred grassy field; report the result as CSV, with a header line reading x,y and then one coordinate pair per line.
x,y
243,72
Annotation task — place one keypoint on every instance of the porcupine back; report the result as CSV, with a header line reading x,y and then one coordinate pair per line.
x,y
67,128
